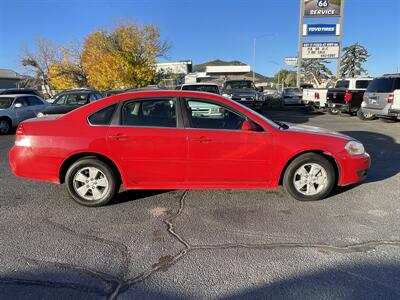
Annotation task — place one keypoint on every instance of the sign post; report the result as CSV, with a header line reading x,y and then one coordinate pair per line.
x,y
340,39
300,46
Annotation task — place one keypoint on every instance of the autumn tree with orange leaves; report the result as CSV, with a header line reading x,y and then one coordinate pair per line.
x,y
123,58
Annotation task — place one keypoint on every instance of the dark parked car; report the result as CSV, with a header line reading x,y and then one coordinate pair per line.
x,y
69,100
17,91
244,92
347,96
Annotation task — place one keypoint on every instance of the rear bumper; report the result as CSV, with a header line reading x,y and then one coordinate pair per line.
x,y
354,169
384,112
24,163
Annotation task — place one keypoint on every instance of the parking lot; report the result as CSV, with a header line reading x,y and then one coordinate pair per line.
x,y
247,244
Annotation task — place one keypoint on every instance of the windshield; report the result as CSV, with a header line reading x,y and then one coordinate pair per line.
x,y
342,84
381,85
201,88
5,102
294,90
238,85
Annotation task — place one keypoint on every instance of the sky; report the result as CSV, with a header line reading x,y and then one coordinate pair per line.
x,y
203,30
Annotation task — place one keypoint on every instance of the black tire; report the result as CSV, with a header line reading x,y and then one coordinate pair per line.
x,y
111,190
333,111
365,117
289,176
5,126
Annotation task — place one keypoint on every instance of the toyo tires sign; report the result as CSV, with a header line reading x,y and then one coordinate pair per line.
x,y
322,8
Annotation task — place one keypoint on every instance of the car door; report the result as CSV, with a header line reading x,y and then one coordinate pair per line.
x,y
25,111
35,104
219,152
149,141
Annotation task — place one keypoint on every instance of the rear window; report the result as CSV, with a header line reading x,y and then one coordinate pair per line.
x,y
382,85
342,84
103,116
201,88
362,84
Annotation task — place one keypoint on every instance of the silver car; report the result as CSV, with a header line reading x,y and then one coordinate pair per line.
x,y
379,97
16,108
292,96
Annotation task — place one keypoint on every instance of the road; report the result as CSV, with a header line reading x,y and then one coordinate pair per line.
x,y
209,244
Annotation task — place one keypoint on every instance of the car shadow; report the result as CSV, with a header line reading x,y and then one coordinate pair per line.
x,y
359,281
384,151
133,195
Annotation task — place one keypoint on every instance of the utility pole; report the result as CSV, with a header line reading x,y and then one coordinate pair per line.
x,y
340,39
300,46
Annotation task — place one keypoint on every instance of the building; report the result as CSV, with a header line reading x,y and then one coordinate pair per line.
x,y
10,79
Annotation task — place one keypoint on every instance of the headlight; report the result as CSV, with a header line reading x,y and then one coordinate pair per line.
x,y
40,114
226,95
355,148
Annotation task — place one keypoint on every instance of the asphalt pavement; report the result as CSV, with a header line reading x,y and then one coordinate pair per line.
x,y
256,244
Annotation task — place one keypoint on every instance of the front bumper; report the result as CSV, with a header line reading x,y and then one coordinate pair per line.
x,y
354,169
256,105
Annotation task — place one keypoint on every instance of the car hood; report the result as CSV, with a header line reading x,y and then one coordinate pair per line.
x,y
316,131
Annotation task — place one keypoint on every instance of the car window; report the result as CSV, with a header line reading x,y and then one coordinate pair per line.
x,y
208,115
98,96
381,85
77,99
342,84
397,84
34,101
103,116
362,84
23,101
60,100
202,88
6,102
149,113
232,85
92,97
178,88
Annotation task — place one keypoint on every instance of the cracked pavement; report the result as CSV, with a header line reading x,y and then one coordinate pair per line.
x,y
252,244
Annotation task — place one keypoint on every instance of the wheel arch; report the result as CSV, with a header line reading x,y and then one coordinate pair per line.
x,y
75,157
327,155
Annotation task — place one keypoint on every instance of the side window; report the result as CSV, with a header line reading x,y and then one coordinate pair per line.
x,y
34,101
99,96
397,84
207,115
92,97
149,113
362,84
77,99
103,116
60,99
23,101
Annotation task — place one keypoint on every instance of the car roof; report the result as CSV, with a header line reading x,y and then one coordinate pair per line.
x,y
18,95
199,83
78,91
391,75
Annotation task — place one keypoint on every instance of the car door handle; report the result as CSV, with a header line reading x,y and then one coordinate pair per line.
x,y
203,139
118,136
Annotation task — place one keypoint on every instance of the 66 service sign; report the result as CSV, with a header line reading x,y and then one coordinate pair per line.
x,y
321,50
322,8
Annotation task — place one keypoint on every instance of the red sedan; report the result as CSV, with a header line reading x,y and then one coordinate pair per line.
x,y
181,140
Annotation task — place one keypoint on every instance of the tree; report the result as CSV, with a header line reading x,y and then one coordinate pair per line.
x,y
123,58
315,70
285,77
354,56
69,73
38,62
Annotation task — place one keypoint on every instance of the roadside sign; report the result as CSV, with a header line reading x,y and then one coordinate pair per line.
x,y
322,8
321,29
321,50
291,61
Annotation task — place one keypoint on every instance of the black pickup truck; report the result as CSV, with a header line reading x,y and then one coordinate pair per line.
x,y
347,96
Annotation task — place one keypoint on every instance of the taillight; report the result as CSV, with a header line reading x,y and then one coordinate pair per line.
x,y
21,139
316,96
348,96
390,98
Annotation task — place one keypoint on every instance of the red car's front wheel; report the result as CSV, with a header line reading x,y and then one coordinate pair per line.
x,y
309,177
91,182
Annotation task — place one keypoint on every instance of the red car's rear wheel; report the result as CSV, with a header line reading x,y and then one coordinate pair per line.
x,y
91,182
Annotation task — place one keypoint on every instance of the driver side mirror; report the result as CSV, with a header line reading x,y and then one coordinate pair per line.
x,y
17,105
249,126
